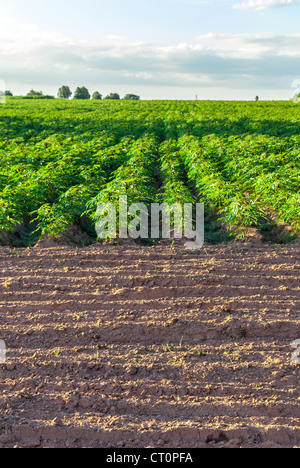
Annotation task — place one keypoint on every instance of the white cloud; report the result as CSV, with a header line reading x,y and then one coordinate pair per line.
x,y
251,46
259,5
47,60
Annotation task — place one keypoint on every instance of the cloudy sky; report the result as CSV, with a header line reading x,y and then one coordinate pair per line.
x,y
159,49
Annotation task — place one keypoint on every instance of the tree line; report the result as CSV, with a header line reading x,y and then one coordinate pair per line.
x,y
81,93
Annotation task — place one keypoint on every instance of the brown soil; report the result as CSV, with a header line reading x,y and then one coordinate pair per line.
x,y
133,346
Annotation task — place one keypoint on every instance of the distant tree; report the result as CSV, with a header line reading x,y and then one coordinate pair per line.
x,y
82,93
33,93
132,97
64,92
113,96
97,95
257,98
8,93
38,96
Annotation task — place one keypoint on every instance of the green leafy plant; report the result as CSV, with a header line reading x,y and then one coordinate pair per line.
x,y
60,158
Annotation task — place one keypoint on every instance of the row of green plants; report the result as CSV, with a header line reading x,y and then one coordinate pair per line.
x,y
246,178
60,160
237,206
135,179
174,188
52,184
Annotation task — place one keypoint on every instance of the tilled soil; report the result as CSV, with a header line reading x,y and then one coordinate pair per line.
x,y
138,346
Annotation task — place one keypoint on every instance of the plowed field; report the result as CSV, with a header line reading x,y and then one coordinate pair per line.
x,y
138,346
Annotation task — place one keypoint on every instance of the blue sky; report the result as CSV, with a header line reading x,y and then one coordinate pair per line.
x,y
173,49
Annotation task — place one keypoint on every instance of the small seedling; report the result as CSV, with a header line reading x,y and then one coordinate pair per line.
x,y
169,348
200,353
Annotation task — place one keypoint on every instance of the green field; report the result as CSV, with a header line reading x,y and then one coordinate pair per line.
x,y
59,159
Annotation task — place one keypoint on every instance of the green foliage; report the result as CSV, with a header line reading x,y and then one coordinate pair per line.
x,y
82,93
174,188
60,159
113,96
64,92
97,95
33,93
37,95
135,177
131,97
